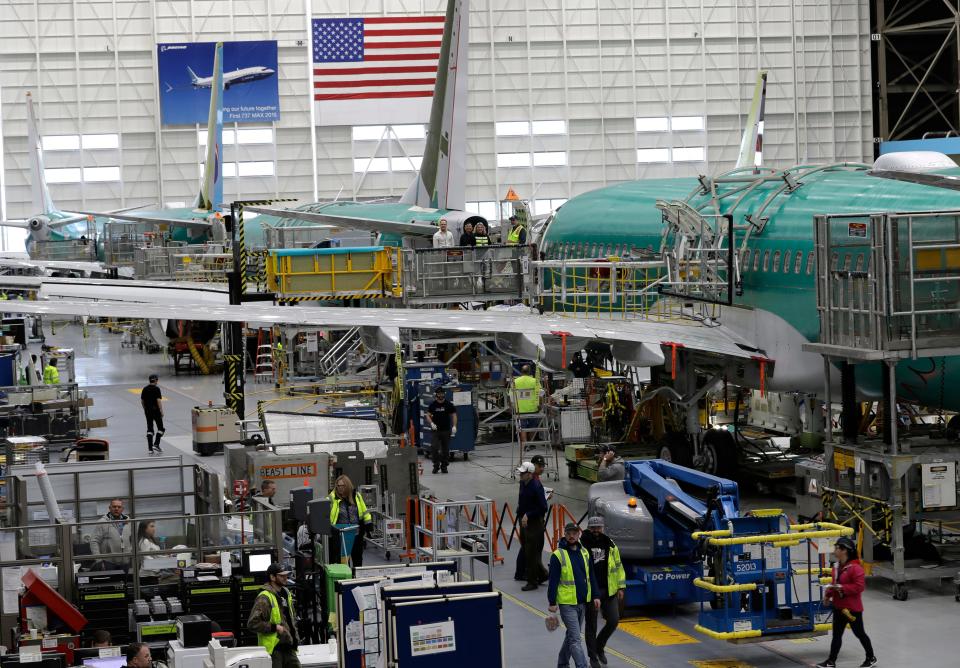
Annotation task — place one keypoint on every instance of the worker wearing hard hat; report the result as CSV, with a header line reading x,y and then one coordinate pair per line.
x,y
518,234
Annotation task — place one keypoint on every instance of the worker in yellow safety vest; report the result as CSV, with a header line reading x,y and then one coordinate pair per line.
x,y
50,374
348,507
572,587
526,399
517,235
611,587
273,619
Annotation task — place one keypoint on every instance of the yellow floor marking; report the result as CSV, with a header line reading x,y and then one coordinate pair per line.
x,y
542,615
655,633
721,663
802,640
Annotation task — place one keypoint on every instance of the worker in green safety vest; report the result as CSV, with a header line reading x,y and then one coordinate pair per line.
x,y
518,234
526,399
611,587
274,621
348,507
572,587
51,376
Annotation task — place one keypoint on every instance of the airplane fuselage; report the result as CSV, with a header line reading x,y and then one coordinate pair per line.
x,y
779,306
245,75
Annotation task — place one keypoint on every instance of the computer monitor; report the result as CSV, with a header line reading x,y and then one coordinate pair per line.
x,y
257,561
106,662
51,660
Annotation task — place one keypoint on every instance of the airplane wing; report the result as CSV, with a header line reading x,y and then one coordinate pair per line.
x,y
9,262
151,220
412,228
530,335
130,295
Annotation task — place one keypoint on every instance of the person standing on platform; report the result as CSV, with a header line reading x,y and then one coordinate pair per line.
x,y
573,586
526,399
518,234
151,399
443,238
467,238
532,514
610,466
480,236
611,587
348,507
442,416
273,619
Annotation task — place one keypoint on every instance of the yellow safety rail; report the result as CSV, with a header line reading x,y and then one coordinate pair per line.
x,y
719,533
728,635
368,272
603,287
799,532
706,583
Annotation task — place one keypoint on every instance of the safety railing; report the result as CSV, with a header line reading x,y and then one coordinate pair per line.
x,y
605,286
309,236
145,546
203,263
121,241
464,273
65,250
889,283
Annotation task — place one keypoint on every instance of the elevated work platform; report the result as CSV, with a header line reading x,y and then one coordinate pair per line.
x,y
365,272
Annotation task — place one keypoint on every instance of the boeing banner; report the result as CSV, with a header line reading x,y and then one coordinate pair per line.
x,y
250,87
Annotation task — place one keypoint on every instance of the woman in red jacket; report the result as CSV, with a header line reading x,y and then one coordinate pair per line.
x,y
844,596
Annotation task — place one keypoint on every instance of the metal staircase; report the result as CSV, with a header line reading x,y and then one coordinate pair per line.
x,y
700,253
339,354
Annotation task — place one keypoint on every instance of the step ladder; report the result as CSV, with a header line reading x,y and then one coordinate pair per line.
x,y
534,430
263,369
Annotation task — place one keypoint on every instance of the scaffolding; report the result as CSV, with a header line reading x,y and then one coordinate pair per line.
x,y
888,289
465,273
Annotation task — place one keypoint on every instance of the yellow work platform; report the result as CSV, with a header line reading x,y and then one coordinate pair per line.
x,y
365,272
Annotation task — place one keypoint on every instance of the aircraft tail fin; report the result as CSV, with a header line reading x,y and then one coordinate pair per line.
x,y
441,182
42,202
751,144
210,196
193,76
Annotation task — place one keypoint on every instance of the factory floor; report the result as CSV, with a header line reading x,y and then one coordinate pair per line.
x,y
919,632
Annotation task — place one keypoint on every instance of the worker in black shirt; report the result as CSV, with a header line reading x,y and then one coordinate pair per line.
x,y
151,400
442,416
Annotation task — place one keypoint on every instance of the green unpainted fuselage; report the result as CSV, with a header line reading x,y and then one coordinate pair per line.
x,y
605,221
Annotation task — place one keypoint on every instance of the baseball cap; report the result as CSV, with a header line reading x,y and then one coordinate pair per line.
x,y
153,377
513,218
440,390
277,569
571,526
595,521
526,467
538,460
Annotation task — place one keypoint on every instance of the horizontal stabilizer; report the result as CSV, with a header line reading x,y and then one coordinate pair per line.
x,y
411,228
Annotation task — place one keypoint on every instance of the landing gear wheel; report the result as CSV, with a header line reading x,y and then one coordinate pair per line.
x,y
719,452
466,456
953,428
900,591
676,448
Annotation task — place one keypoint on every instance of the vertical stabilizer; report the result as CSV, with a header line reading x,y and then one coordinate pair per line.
x,y
211,190
441,181
42,202
193,76
751,144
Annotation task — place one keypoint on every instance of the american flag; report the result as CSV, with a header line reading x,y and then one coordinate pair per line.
x,y
376,57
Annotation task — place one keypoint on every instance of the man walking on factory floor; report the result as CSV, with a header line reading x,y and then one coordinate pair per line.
x,y
152,402
272,619
611,586
442,416
573,586
532,513
113,535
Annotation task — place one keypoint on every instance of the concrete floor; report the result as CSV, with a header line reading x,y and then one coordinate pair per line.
x,y
918,632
